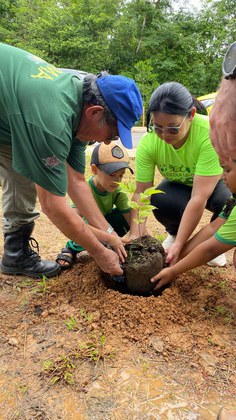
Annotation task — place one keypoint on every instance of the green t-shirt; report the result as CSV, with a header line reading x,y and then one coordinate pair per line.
x,y
196,157
106,201
40,112
227,232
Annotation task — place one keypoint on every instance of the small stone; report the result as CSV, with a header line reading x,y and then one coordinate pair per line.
x,y
44,314
157,344
13,342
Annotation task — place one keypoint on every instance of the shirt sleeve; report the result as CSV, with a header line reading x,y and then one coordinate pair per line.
x,y
208,161
121,201
145,160
77,156
227,232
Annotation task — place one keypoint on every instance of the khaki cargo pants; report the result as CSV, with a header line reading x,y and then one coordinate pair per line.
x,y
18,195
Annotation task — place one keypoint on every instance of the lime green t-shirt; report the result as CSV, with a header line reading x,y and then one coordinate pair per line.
x,y
40,112
227,232
106,201
196,157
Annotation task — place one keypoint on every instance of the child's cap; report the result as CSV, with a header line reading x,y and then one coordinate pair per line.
x,y
122,96
110,158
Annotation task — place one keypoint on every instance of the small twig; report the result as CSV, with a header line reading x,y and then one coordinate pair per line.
x,y
25,341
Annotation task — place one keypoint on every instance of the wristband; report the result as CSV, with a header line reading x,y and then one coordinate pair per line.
x,y
110,229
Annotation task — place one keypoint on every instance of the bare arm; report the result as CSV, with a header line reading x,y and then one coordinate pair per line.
x,y
116,242
71,225
127,217
205,233
135,229
200,254
202,189
223,120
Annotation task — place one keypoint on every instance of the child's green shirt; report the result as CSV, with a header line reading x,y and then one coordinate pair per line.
x,y
106,201
227,232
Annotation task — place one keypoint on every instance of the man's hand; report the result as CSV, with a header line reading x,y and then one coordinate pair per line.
x,y
108,261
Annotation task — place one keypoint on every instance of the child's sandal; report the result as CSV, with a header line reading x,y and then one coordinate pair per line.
x,y
68,255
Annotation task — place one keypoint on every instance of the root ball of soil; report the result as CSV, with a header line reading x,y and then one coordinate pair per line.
x,y
145,259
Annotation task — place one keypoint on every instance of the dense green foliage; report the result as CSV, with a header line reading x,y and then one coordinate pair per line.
x,y
149,40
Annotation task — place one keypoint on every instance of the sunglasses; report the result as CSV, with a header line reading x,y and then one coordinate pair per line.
x,y
170,130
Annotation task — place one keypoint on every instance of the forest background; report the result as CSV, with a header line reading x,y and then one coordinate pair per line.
x,y
151,41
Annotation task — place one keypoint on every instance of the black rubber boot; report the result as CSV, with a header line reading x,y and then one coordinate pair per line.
x,y
20,258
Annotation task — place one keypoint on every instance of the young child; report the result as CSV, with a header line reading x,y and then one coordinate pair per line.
x,y
214,239
108,165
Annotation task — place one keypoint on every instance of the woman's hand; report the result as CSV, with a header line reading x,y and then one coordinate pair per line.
x,y
173,253
164,277
131,236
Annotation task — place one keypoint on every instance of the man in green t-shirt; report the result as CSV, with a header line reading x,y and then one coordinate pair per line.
x,y
47,117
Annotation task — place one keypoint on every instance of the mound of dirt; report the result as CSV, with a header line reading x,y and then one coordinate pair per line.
x,y
197,305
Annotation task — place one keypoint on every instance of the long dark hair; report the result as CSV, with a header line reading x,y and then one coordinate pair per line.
x,y
172,98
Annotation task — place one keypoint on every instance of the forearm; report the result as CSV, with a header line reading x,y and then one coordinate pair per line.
x,y
101,235
223,120
127,217
68,221
227,96
205,233
81,195
190,219
199,255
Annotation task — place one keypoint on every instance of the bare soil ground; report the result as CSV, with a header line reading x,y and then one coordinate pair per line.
x,y
73,348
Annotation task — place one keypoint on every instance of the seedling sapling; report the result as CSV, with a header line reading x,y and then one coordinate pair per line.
x,y
143,208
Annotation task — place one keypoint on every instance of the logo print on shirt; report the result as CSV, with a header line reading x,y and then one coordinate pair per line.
x,y
51,161
48,72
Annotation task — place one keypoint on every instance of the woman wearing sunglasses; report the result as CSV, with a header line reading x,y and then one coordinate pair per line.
x,y
178,145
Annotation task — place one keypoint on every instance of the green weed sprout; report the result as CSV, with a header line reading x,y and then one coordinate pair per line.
x,y
72,324
86,316
63,367
42,286
60,369
143,208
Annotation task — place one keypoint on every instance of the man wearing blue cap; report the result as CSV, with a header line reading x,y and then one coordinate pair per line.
x,y
47,117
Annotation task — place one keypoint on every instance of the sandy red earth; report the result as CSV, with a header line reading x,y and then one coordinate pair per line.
x,y
73,348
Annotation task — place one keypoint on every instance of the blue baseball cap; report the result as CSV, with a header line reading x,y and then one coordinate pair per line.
x,y
122,96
